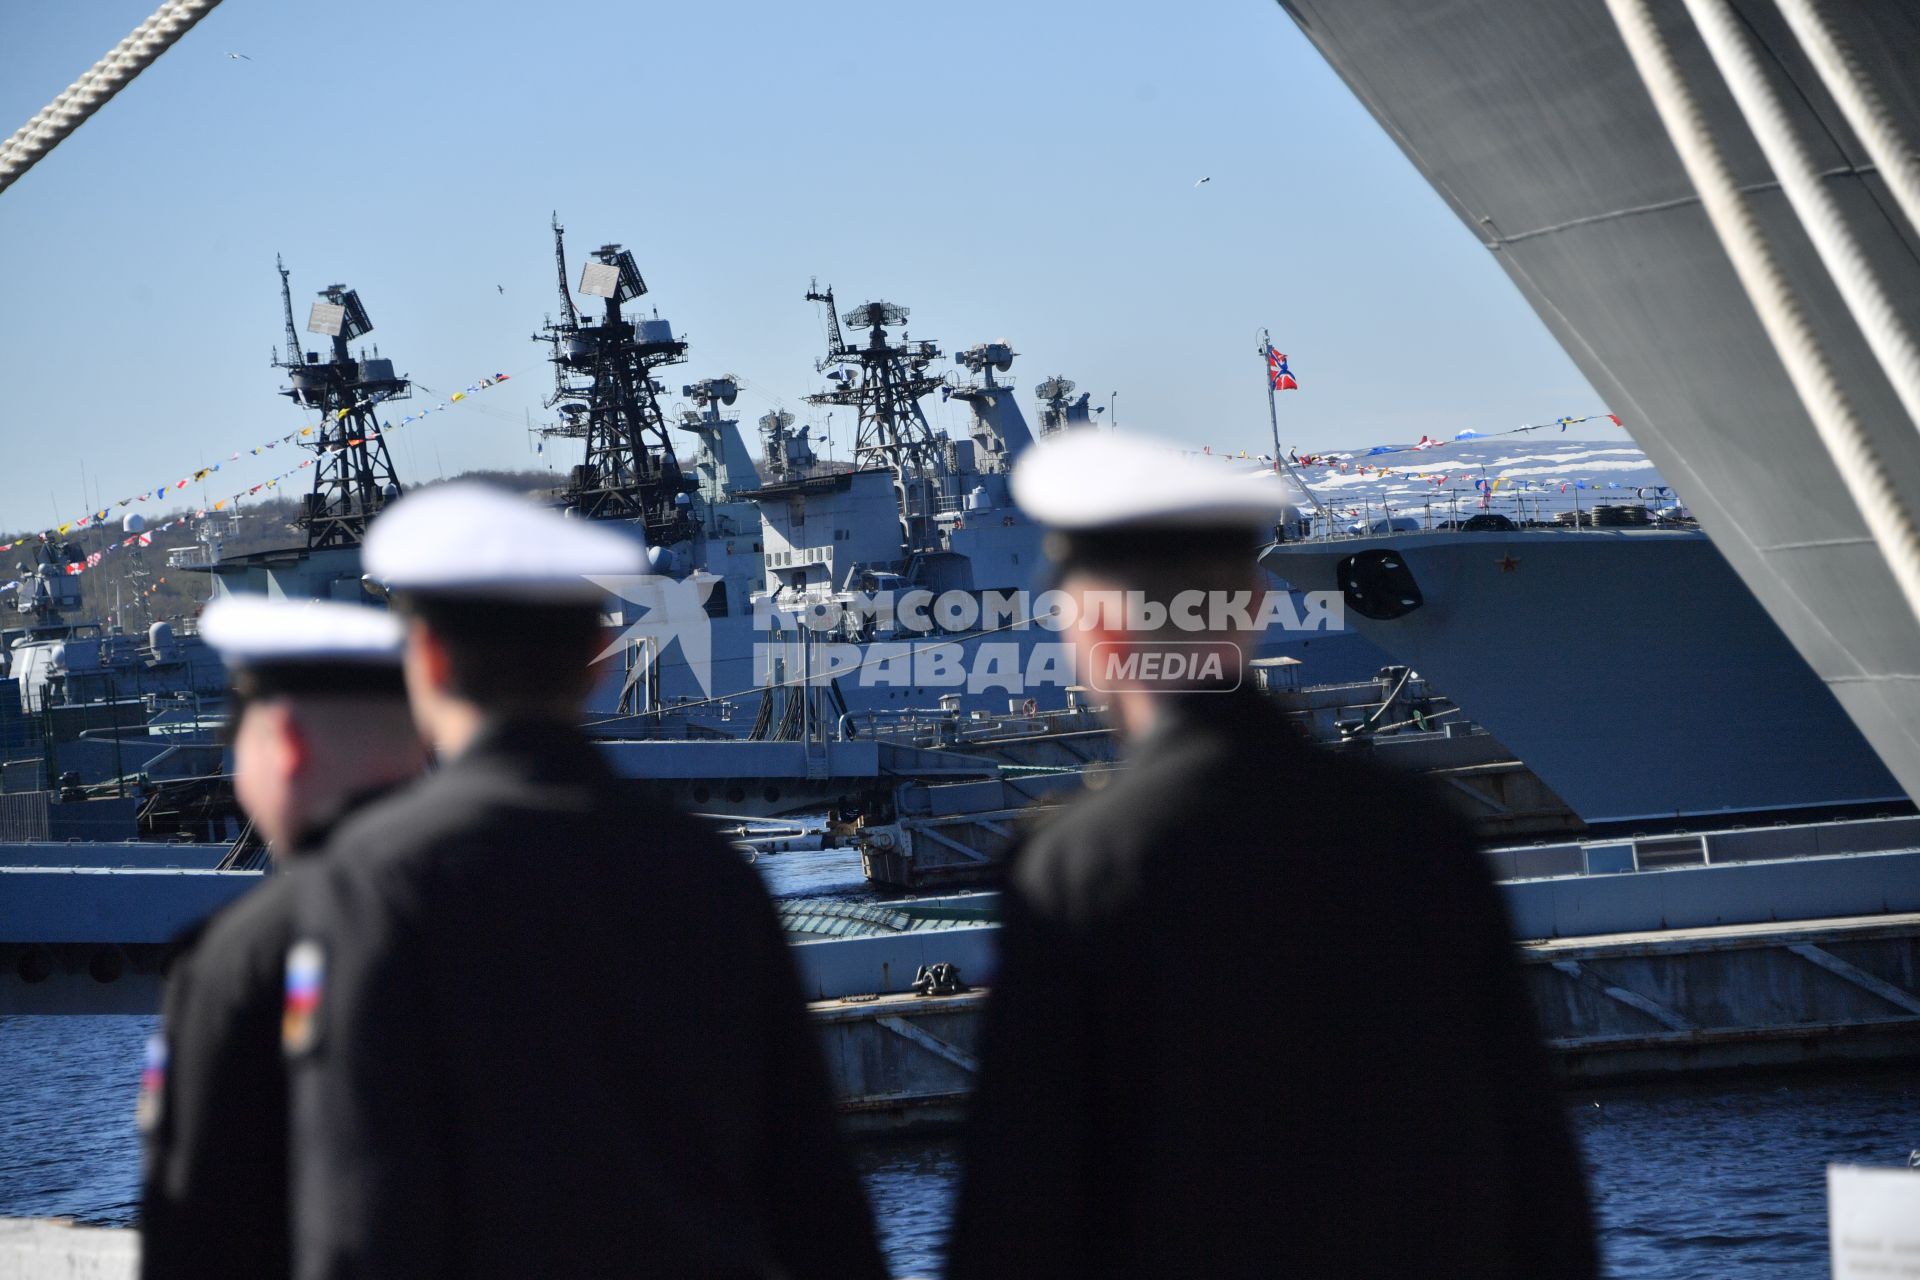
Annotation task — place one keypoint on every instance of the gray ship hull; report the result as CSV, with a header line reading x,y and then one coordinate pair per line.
x,y
1629,669
1532,124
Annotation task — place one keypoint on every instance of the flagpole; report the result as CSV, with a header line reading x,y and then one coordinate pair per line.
x,y
1280,462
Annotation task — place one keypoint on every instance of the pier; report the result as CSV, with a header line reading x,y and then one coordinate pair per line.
x,y
1755,996
1760,948
1613,1008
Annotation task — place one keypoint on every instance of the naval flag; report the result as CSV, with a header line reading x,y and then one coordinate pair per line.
x,y
1278,373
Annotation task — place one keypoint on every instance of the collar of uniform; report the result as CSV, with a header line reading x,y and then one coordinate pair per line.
x,y
315,837
541,748
1223,713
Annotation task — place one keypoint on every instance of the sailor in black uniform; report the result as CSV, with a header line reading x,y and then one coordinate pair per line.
x,y
319,723
537,1023
1257,1011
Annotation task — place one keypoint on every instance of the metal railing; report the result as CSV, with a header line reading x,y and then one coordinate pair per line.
x,y
1372,519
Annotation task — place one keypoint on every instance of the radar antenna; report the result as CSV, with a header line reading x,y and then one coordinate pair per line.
x,y
998,429
1059,410
608,397
353,476
986,359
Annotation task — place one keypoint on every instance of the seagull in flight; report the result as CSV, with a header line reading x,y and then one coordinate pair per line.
x,y
1203,182
240,56
502,288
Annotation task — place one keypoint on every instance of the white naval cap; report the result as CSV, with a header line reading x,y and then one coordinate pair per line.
x,y
250,631
1090,481
478,542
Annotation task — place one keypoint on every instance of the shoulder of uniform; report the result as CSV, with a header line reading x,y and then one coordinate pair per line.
x,y
182,945
255,923
236,955
411,820
1086,856
1125,811
1101,850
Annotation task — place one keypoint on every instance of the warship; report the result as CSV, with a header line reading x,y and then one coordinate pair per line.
x,y
1713,210
85,705
744,547
803,572
1542,633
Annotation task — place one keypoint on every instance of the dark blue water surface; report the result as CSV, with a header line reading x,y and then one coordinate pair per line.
x,y
1714,1180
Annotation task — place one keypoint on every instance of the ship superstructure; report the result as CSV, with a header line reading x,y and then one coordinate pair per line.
x,y
998,430
884,380
353,476
49,582
921,514
1060,409
919,509
608,397
726,546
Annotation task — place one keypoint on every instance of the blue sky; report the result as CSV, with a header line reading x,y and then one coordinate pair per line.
x,y
1007,170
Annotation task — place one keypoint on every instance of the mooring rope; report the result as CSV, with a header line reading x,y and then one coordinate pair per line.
x,y
40,135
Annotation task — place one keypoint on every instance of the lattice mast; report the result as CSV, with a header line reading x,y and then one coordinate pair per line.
x,y
884,382
286,308
560,270
353,475
608,398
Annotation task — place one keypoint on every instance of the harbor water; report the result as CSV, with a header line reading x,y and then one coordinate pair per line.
x,y
1721,1178
1713,1179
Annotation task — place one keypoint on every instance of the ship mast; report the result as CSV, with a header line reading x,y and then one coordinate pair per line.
x,y
286,308
353,476
1280,460
884,382
609,399
560,270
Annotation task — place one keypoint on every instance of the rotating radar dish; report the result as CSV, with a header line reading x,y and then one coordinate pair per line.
x,y
874,315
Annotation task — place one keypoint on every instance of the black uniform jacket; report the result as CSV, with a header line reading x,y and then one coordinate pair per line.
x,y
558,1033
214,1121
1258,1015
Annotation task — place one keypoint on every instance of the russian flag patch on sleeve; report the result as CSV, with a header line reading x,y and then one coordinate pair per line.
x,y
299,1017
153,1085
